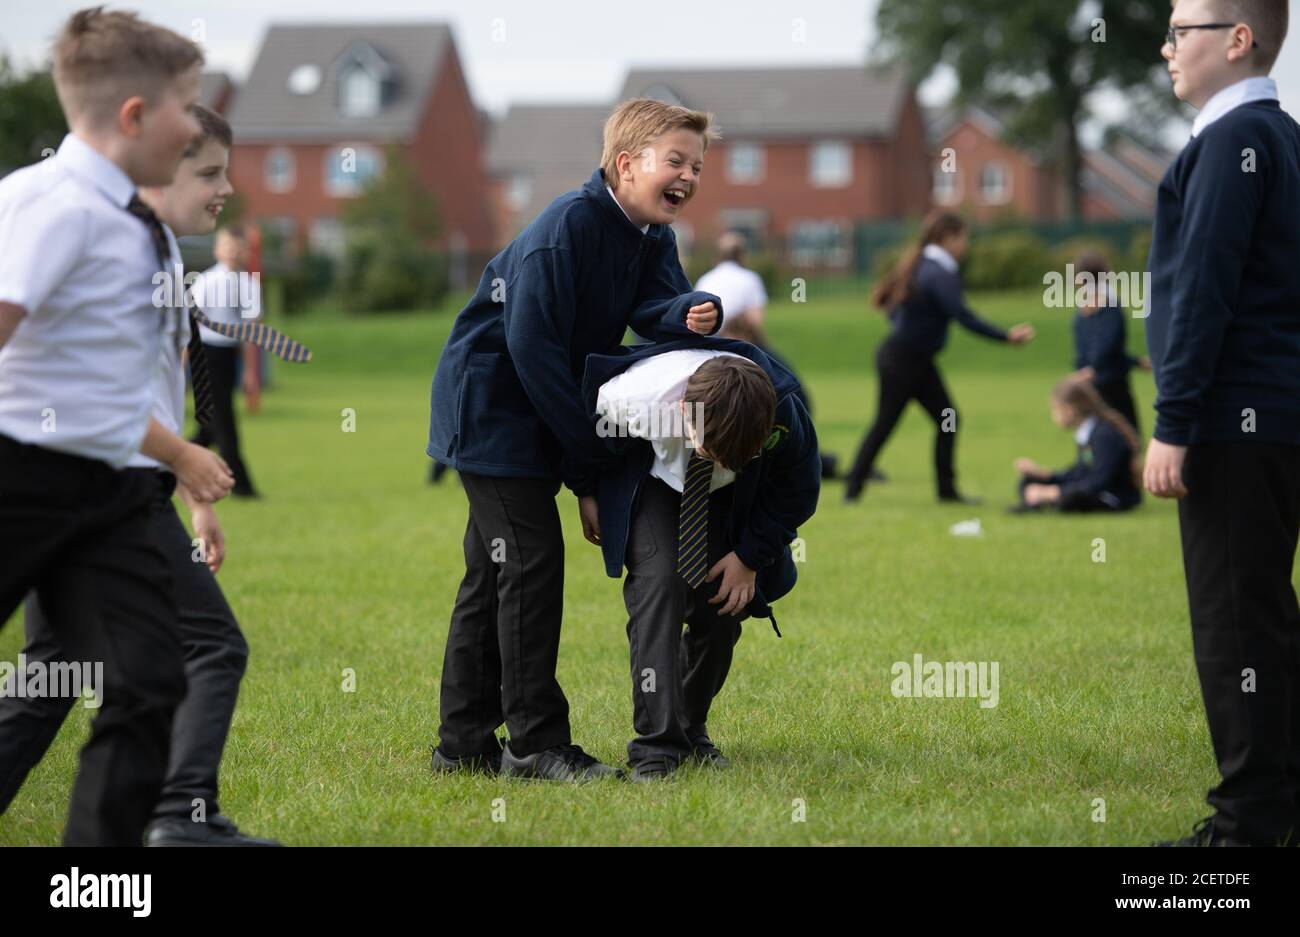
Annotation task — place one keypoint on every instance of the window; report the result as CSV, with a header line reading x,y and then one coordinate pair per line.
x,y
947,187
751,222
358,93
519,191
995,184
349,168
326,237
829,164
279,175
820,243
745,163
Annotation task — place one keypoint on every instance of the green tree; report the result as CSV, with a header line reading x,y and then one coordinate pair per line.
x,y
30,117
1037,60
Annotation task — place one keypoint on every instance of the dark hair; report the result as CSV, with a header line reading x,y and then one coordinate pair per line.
x,y
1093,262
737,402
1083,398
1267,20
896,286
212,126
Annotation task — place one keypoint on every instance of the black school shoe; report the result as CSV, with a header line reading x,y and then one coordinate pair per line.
x,y
561,763
488,762
705,753
956,497
1206,834
219,830
654,768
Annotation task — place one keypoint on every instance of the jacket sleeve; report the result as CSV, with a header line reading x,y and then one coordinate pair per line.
x,y
946,293
664,296
1109,456
1220,203
788,494
539,321
1080,353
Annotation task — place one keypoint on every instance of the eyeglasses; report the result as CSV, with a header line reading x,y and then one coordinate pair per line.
x,y
1171,37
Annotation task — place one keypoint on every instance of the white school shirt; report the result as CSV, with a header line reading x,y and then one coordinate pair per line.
x,y
1255,88
169,377
75,374
739,289
217,293
657,384
1084,432
941,257
644,227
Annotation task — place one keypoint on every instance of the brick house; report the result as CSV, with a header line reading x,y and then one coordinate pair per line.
x,y
979,172
806,155
319,111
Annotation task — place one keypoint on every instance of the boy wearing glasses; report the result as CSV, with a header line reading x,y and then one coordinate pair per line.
x,y
1224,336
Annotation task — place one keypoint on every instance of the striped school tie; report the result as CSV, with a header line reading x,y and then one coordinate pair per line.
x,y
693,522
263,336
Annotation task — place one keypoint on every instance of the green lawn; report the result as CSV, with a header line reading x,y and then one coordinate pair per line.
x,y
352,561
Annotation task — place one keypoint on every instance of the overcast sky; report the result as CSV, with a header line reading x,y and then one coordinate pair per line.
x,y
561,50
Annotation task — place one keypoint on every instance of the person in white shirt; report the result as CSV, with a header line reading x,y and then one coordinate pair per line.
x,y
80,340
228,293
703,521
215,650
744,299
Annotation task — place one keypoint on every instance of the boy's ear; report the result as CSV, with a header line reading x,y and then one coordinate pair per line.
x,y
130,116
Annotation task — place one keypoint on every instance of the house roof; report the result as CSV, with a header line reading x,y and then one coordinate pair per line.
x,y
547,138
213,87
266,108
855,100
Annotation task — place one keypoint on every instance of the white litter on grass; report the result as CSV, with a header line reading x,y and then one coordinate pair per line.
x,y
970,528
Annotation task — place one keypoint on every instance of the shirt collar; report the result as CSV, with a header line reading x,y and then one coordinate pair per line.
x,y
85,161
1084,432
941,257
644,228
1255,88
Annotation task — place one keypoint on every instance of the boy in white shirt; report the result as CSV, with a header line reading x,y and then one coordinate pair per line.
x,y
80,339
214,648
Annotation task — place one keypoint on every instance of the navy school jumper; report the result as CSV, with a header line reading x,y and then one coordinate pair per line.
x,y
773,494
506,400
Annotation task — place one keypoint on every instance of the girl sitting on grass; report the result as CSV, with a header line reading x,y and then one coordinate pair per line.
x,y
1107,476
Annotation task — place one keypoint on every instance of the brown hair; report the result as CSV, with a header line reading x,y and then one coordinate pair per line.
x,y
102,58
212,126
896,286
1093,262
636,124
737,403
1083,398
236,231
1267,20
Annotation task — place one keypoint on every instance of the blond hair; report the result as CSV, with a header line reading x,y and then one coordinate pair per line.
x,y
636,124
102,58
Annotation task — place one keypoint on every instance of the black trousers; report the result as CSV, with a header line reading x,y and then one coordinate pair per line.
x,y
1119,396
1081,502
215,655
504,639
1239,524
78,532
675,675
223,365
905,376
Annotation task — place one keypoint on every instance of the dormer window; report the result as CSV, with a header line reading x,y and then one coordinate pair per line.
x,y
358,93
366,81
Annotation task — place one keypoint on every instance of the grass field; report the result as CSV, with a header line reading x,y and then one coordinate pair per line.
x,y
351,561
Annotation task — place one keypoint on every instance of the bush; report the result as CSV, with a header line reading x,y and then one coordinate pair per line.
x,y
309,279
387,274
1005,261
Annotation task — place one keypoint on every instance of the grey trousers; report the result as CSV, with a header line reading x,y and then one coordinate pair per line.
x,y
675,675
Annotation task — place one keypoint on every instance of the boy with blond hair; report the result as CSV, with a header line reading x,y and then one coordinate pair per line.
x,y
507,413
80,339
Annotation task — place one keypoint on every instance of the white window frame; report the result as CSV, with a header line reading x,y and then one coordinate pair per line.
x,y
334,155
952,195
757,166
280,183
367,105
1000,195
817,175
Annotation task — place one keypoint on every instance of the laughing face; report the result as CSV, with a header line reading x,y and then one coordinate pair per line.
x,y
655,185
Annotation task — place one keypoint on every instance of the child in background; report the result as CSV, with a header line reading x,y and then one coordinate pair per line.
x,y
1108,471
1100,355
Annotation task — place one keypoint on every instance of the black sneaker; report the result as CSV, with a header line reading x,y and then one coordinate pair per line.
x,y
219,830
704,752
954,497
1204,833
561,763
654,768
488,762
